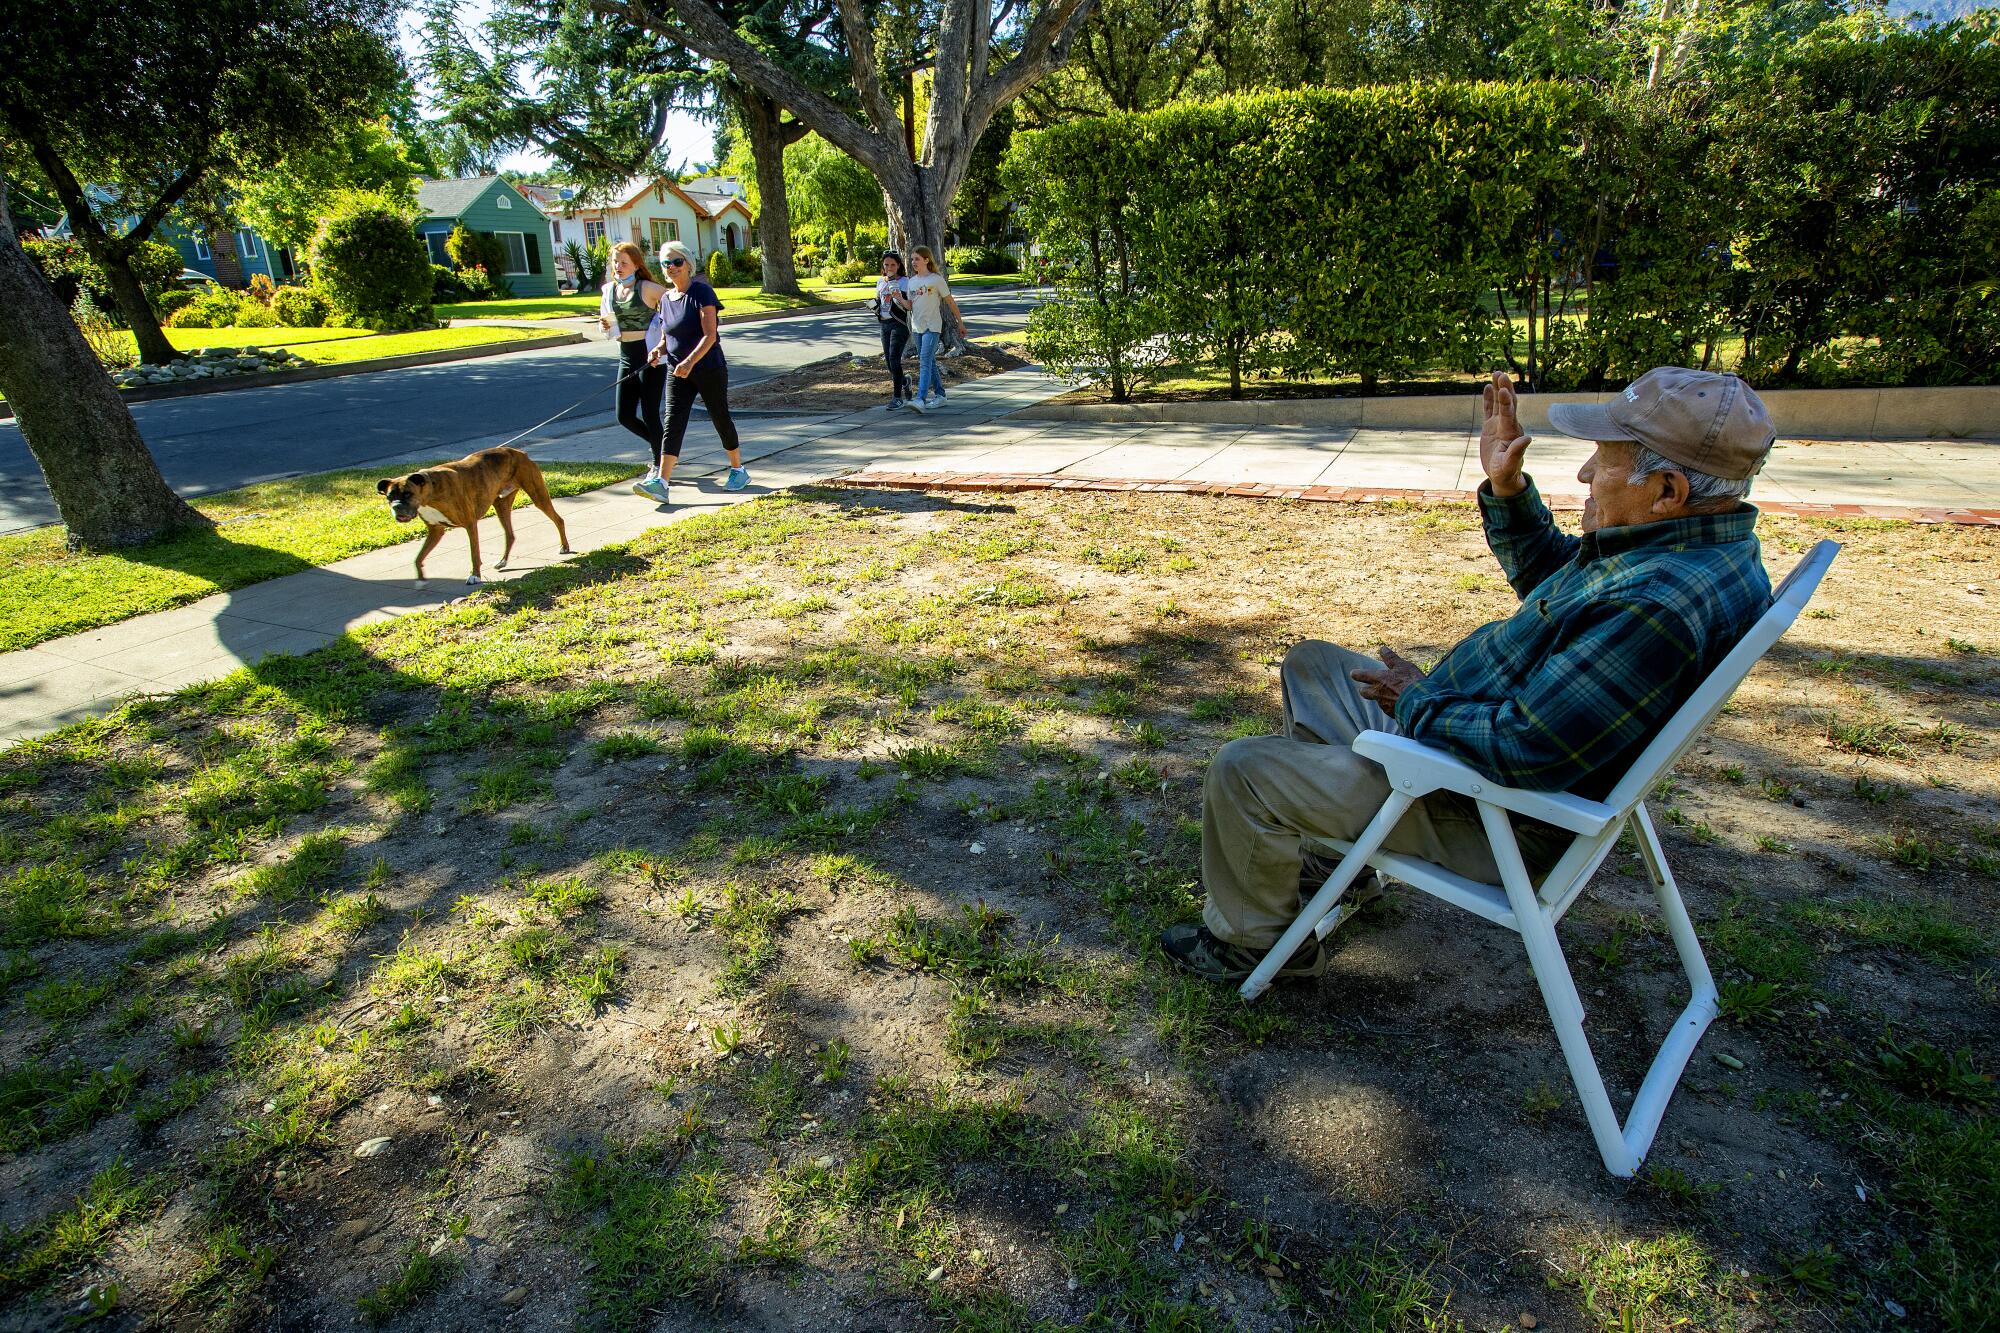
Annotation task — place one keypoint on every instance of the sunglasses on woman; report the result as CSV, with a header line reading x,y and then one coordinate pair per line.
x,y
674,263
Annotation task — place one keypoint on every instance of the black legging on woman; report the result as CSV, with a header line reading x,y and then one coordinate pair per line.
x,y
711,384
639,395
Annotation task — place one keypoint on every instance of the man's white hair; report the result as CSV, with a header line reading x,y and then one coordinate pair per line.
x,y
1702,487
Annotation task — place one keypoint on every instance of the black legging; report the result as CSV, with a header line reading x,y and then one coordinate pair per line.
x,y
895,341
639,395
712,385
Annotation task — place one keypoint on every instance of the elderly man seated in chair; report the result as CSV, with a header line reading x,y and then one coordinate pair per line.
x,y
1616,630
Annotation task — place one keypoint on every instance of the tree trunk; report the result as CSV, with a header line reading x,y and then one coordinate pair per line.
x,y
137,310
105,483
916,217
762,117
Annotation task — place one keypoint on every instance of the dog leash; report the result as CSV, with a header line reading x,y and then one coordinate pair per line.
x,y
567,410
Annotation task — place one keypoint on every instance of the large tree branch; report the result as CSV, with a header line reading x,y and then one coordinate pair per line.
x,y
876,103
1042,49
698,26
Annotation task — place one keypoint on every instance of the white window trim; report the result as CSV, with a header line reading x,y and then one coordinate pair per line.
x,y
521,272
246,243
673,229
602,230
502,201
201,250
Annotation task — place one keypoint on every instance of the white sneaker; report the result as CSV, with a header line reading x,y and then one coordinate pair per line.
x,y
919,405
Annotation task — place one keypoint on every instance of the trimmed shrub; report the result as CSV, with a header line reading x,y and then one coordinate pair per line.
x,y
252,313
845,271
211,308
718,269
372,270
979,259
1833,210
298,307
476,284
749,265
475,249
170,300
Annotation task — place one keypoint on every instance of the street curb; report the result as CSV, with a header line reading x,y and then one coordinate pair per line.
x,y
154,392
1006,482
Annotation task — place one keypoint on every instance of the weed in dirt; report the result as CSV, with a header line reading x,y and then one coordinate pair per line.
x,y
645,1210
625,745
420,1276
305,872
78,1234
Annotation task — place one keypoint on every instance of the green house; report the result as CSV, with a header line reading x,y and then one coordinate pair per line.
x,y
490,205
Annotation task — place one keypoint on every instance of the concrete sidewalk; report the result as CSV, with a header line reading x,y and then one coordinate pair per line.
x,y
61,681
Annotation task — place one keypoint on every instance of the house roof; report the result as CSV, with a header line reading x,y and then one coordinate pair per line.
x,y
450,198
705,203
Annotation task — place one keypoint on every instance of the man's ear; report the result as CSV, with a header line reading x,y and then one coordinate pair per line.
x,y
1674,492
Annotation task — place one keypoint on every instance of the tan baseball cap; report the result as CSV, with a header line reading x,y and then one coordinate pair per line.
x,y
1709,422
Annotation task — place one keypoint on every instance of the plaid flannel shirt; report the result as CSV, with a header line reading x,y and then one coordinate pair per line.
x,y
1616,630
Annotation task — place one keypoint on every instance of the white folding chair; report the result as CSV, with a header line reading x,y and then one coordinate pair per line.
x,y
1415,770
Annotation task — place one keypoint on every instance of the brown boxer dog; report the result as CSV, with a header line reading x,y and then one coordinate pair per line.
x,y
457,495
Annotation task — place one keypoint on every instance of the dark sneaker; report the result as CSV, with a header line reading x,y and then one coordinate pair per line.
x,y
1200,952
1313,873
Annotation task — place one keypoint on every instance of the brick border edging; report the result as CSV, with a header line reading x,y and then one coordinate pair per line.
x,y
190,388
1003,482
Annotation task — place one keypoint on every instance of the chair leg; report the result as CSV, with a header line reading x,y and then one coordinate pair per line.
x,y
1328,897
1650,1105
1559,993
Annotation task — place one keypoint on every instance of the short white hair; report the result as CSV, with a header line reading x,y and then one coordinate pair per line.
x,y
676,250
1702,487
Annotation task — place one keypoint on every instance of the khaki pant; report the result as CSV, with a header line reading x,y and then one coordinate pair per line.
x,y
1263,793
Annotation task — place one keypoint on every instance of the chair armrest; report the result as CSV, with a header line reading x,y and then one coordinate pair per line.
x,y
1418,769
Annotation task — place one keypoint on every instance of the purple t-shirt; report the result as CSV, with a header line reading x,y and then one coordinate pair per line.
x,y
679,316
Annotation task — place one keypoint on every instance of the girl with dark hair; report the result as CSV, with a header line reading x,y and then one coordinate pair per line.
x,y
892,311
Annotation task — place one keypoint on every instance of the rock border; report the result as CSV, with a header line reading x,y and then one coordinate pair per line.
x,y
189,388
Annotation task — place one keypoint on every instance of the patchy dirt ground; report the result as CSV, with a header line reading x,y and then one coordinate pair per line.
x,y
847,383
752,928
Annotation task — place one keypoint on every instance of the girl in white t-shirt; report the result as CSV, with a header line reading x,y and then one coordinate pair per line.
x,y
928,295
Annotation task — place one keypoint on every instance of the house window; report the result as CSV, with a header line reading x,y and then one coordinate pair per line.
x,y
593,231
664,230
246,243
502,201
200,248
435,240
517,250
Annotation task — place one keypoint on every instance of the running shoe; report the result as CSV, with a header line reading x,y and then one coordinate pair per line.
x,y
639,486
892,404
653,489
738,478
919,405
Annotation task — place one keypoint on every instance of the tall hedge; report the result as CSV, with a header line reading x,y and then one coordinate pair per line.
x,y
1831,214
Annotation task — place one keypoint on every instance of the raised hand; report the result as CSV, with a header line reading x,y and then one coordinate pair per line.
x,y
1503,446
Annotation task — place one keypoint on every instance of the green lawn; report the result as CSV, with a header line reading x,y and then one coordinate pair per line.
x,y
339,346
735,300
262,531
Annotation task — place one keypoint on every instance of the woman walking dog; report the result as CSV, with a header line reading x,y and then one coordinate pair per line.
x,y
631,295
691,347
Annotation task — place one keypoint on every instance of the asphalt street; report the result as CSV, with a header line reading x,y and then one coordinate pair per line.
x,y
219,441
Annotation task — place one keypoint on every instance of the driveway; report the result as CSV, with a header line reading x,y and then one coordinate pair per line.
x,y
217,442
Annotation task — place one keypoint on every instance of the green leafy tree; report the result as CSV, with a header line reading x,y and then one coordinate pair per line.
x,y
126,110
830,191
285,204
